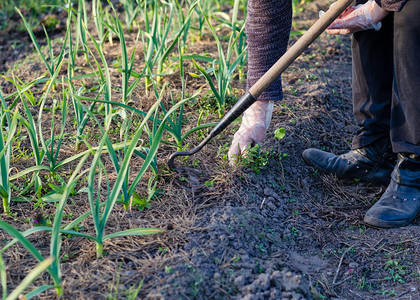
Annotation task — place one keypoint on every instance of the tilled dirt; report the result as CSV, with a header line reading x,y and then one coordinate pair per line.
x,y
283,232
291,232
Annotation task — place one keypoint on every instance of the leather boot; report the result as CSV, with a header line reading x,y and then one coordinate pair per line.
x,y
373,163
400,203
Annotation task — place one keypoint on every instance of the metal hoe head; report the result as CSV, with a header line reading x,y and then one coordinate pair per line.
x,y
242,104
171,160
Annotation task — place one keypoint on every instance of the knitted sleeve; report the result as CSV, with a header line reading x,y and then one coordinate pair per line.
x,y
267,27
391,5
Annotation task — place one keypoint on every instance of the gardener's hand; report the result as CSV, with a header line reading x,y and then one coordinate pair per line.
x,y
357,18
254,124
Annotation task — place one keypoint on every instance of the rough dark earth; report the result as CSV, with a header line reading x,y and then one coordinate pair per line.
x,y
291,232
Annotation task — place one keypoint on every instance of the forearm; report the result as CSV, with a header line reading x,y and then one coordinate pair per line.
x,y
268,27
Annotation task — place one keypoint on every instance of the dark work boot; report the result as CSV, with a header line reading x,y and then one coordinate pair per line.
x,y
400,203
373,163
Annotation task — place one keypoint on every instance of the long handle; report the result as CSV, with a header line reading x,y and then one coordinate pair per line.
x,y
268,78
290,56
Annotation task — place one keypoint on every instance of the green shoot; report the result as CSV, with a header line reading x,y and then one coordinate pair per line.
x,y
225,69
28,245
51,63
5,152
33,274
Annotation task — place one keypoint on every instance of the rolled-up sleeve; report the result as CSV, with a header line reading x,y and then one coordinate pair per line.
x,y
391,5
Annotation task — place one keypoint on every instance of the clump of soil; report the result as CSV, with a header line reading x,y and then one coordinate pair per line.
x,y
284,231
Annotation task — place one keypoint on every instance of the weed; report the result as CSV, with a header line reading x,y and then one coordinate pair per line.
x,y
280,133
261,248
311,77
236,258
396,271
362,228
210,183
260,270
387,293
133,291
293,90
282,156
163,251
255,158
295,232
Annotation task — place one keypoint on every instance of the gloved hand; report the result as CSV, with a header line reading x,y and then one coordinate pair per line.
x,y
255,121
357,18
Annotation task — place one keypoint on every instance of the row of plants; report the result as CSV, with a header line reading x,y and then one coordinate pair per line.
x,y
68,122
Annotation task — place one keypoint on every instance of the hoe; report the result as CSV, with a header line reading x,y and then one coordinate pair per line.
x,y
269,77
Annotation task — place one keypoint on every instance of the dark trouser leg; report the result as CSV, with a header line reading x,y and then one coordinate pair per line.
x,y
400,203
405,113
372,82
371,159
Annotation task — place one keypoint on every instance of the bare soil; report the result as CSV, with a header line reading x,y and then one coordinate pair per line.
x,y
288,232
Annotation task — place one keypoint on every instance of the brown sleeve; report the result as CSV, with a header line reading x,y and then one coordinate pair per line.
x,y
267,27
391,5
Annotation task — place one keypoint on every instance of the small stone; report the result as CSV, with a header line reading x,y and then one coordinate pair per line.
x,y
307,181
275,294
353,265
217,276
245,258
296,296
268,192
271,205
249,297
290,281
263,281
252,288
276,279
239,281
213,245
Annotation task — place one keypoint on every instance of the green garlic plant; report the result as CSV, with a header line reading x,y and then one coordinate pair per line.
x,y
223,68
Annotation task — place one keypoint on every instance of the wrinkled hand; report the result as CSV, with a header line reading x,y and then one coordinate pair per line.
x,y
255,121
357,18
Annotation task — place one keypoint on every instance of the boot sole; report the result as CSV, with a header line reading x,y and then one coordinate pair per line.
x,y
374,222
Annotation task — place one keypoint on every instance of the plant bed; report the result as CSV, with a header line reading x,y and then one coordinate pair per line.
x,y
270,228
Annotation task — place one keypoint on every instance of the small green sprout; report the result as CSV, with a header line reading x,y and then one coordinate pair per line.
x,y
280,133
